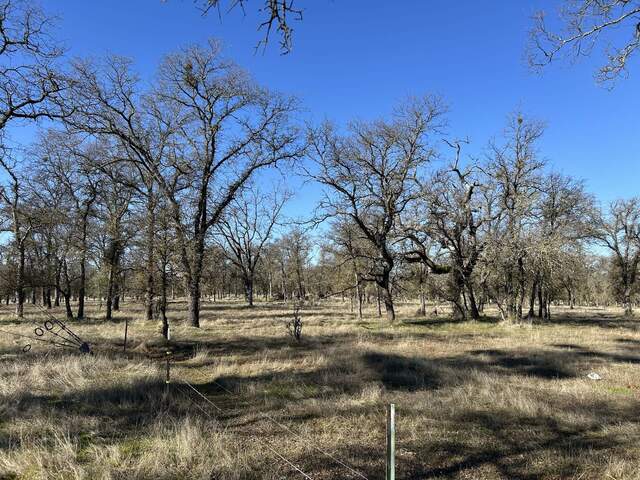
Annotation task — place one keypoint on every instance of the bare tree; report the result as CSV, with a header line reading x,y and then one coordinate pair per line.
x,y
454,200
245,228
585,26
516,178
203,133
21,221
295,253
619,231
69,164
370,176
562,214
112,206
351,249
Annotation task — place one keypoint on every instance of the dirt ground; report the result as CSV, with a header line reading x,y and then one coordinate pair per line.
x,y
475,400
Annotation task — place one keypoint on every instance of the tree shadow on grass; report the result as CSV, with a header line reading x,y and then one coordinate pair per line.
x,y
608,357
511,442
609,321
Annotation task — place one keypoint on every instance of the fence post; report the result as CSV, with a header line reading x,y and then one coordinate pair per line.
x,y
391,441
126,330
168,377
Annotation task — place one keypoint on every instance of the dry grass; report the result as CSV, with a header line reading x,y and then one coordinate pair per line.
x,y
475,400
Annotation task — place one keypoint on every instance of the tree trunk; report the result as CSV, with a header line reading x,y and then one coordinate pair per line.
x,y
532,300
248,288
194,303
626,299
473,305
151,231
359,296
388,303
20,281
82,287
163,303
56,302
110,292
423,300
540,302
67,291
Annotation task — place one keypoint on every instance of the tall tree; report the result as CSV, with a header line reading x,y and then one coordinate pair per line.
x,y
619,231
20,218
245,229
516,171
204,132
370,175
71,165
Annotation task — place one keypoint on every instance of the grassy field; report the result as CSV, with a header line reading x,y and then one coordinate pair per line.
x,y
475,400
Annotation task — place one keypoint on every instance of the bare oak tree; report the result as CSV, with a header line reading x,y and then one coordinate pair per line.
x,y
21,220
201,134
370,175
619,231
245,229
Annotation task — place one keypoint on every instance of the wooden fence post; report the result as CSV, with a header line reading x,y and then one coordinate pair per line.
x,y
126,330
391,441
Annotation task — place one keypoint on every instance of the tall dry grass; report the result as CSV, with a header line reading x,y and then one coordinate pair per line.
x,y
477,400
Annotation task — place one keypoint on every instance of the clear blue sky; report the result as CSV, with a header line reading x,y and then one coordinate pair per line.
x,y
357,58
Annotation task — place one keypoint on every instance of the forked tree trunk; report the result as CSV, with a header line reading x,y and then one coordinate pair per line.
x,y
473,306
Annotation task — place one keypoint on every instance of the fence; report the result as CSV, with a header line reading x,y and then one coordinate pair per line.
x,y
390,427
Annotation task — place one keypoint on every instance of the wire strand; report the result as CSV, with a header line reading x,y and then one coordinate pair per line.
x,y
263,441
288,429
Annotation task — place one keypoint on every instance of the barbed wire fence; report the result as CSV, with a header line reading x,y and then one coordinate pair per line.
x,y
63,336
185,387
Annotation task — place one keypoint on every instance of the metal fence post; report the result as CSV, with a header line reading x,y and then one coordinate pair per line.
x,y
168,377
391,441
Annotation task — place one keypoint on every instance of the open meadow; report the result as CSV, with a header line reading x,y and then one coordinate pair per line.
x,y
475,400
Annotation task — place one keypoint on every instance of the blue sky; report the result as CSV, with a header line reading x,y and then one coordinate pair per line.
x,y
357,58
